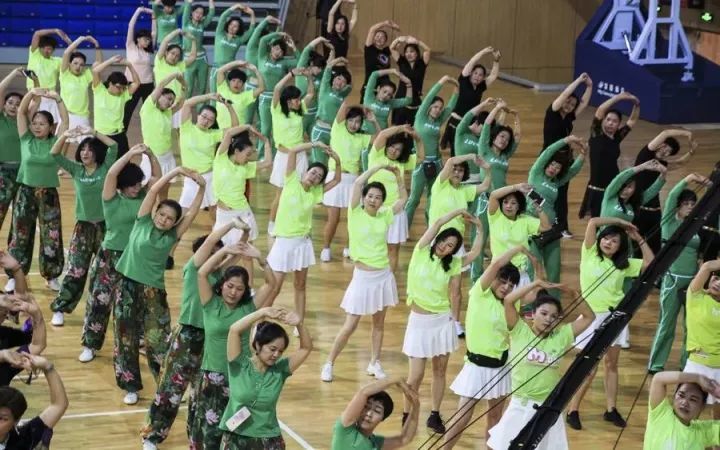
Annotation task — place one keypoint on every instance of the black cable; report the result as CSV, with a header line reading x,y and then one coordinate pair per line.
x,y
632,407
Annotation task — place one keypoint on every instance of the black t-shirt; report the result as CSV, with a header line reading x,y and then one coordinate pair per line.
x,y
375,60
645,178
416,74
468,95
340,44
30,435
556,126
604,153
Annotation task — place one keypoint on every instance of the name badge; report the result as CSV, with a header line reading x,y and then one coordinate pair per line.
x,y
238,418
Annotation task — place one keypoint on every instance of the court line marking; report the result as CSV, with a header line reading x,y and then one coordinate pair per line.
x,y
296,437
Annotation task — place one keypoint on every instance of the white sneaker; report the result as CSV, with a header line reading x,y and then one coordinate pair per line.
x,y
130,398
567,235
325,255
9,286
326,374
58,319
86,355
53,284
459,330
271,228
376,370
346,252
147,445
296,333
625,345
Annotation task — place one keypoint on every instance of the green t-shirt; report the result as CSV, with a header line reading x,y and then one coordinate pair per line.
x,y
166,23
226,48
109,110
162,70
330,100
229,181
197,146
606,294
687,262
10,150
545,354
448,198
368,236
498,163
548,187
427,281
506,234
377,157
74,91
191,311
272,71
611,206
146,253
217,318
287,130
37,166
46,69
259,392
380,109
486,331
350,438
156,127
240,104
665,431
348,146
703,323
294,215
120,213
466,143
88,187
427,128
197,30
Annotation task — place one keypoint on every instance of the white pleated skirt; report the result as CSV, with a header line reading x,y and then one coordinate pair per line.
x,y
429,335
370,291
516,416
277,176
398,231
191,188
225,216
479,382
291,254
711,372
167,162
339,196
583,338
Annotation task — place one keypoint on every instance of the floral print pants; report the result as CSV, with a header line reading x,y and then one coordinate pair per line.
x,y
104,286
8,189
207,405
84,244
232,441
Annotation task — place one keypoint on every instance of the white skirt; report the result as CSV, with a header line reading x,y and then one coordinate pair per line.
x,y
370,291
339,196
398,231
78,121
710,372
191,188
516,416
429,335
479,382
277,176
291,254
50,105
167,163
176,120
225,216
585,337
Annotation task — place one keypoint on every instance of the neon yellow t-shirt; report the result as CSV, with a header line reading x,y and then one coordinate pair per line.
x,y
368,236
229,181
665,431
545,353
348,146
506,234
162,70
74,92
703,328
606,294
108,110
377,157
446,198
156,127
197,146
427,281
294,216
240,103
486,331
287,131
46,69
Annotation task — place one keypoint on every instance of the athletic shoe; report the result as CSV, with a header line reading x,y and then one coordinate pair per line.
x,y
614,417
625,345
567,235
296,333
86,355
147,445
58,319
9,286
327,372
346,252
53,284
271,228
435,423
573,419
130,398
459,330
325,255
376,370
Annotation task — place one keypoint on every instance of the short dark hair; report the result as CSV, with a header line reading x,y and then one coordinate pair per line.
x,y
288,93
93,144
170,203
241,25
169,2
116,78
232,272
280,43
686,195
80,55
414,47
562,159
13,400
495,131
466,170
49,117
47,41
212,109
9,95
673,144
197,6
266,332
441,236
620,258
239,143
702,391
544,299
406,141
143,33
479,66
522,201
386,401
166,91
341,71
235,74
317,60
130,175
614,111
510,273
375,185
354,112
173,47
385,82
322,167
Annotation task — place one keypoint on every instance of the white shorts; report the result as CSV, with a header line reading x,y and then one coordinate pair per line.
x,y
429,335
225,216
277,176
146,168
50,105
176,120
515,417
291,254
78,121
398,231
339,196
167,163
370,291
479,382
585,337
191,188
711,372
